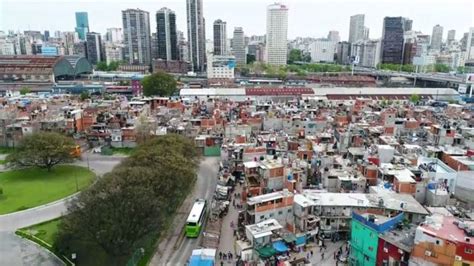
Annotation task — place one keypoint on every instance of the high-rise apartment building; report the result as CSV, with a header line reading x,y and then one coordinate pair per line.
x,y
437,37
277,33
220,37
393,39
82,24
94,48
343,53
470,45
114,35
368,52
196,35
323,50
166,34
451,36
356,29
136,31
46,35
238,46
113,52
182,47
333,36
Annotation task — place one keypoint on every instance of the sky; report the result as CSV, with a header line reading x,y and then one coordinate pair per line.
x,y
306,18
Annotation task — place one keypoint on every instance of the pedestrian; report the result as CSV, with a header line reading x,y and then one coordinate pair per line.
x,y
233,202
322,256
311,253
222,263
220,255
224,256
307,255
334,254
320,248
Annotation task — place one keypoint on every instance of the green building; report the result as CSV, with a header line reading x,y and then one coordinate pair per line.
x,y
365,232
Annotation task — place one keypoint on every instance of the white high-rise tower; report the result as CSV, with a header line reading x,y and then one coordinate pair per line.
x,y
277,29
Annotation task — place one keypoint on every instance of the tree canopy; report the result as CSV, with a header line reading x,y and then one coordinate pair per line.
x,y
103,66
43,150
160,83
25,90
415,98
134,200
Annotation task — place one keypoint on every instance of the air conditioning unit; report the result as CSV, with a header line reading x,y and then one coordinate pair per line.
x,y
400,251
458,258
385,250
428,253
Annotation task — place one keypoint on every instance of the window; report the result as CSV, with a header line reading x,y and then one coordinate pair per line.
x,y
280,212
371,248
468,251
271,215
438,242
289,210
262,217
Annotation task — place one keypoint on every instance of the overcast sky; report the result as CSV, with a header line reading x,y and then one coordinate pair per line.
x,y
309,18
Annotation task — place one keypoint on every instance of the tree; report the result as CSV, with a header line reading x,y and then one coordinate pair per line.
x,y
250,58
113,66
295,56
160,83
101,66
43,150
441,68
306,57
415,98
85,95
25,90
134,200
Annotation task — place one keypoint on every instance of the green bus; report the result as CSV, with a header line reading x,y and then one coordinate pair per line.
x,y
196,218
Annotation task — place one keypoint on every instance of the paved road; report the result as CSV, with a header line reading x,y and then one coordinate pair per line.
x,y
17,251
205,186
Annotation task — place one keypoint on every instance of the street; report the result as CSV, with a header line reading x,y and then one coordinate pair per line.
x,y
167,253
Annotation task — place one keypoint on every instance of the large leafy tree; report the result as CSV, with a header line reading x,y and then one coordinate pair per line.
x,y
295,56
134,200
159,83
43,150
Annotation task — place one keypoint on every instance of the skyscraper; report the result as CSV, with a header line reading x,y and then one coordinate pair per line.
x,y
196,35
46,35
114,35
392,39
182,47
277,30
167,42
238,46
470,45
451,36
333,35
437,37
82,24
356,29
220,37
136,31
94,48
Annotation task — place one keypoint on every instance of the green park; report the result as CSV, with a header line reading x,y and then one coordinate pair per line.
x,y
31,187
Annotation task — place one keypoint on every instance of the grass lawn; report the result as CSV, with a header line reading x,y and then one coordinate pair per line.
x,y
27,188
5,150
45,231
2,161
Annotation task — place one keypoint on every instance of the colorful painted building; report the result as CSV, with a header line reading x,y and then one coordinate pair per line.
x,y
366,228
444,240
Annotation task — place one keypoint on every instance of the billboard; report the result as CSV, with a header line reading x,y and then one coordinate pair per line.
x,y
462,89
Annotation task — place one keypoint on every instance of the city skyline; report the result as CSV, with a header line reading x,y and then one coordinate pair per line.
x,y
16,15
